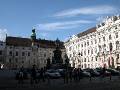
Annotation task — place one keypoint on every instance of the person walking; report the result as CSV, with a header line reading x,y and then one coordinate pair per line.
x,y
33,75
21,75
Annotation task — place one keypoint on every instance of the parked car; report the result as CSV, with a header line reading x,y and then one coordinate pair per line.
x,y
52,73
100,70
85,74
61,71
93,72
113,72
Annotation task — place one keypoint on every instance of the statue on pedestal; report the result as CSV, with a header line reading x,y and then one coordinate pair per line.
x,y
57,58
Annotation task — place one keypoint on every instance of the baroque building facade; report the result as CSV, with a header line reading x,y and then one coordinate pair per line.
x,y
29,51
96,47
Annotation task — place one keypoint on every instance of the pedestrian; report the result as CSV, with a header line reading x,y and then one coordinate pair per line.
x,y
90,77
66,76
70,74
103,72
33,75
42,75
79,73
21,76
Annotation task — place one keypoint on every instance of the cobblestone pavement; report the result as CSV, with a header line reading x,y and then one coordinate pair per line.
x,y
9,83
58,84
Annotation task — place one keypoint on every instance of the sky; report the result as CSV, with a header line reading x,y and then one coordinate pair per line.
x,y
53,18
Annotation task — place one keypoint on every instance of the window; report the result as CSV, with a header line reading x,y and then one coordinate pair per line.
x,y
110,37
16,54
91,42
16,60
84,52
1,44
96,58
117,43
116,35
88,43
69,48
10,53
28,53
99,40
10,60
99,48
95,50
81,45
103,38
92,51
81,54
88,60
88,52
45,55
85,44
117,56
85,60
23,53
88,65
95,41
0,52
110,46
92,59
85,65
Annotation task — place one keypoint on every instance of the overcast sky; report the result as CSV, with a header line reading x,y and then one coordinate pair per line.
x,y
53,18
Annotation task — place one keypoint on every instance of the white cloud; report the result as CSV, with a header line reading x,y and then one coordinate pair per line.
x,y
61,25
100,19
44,34
103,9
3,33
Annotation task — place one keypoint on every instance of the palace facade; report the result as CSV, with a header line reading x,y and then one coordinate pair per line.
x,y
96,47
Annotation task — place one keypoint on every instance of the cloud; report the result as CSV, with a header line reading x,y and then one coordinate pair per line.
x,y
61,25
100,19
103,9
44,34
3,33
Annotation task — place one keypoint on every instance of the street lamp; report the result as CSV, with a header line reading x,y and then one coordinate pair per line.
x,y
79,55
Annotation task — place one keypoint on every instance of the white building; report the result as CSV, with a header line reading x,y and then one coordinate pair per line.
x,y
96,47
29,51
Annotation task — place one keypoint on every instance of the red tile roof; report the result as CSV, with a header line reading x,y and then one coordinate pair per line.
x,y
26,42
87,32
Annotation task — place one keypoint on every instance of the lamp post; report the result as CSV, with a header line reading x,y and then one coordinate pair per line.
x,y
79,55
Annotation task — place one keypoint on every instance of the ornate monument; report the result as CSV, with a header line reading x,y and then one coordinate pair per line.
x,y
57,58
